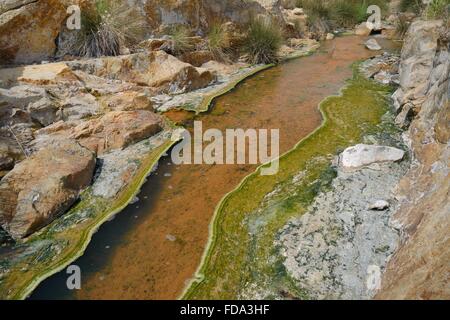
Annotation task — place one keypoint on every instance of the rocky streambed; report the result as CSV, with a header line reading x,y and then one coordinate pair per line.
x,y
86,133
321,228
161,239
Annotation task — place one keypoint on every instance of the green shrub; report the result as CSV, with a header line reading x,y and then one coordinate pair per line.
x,y
263,40
345,13
316,8
180,40
438,9
342,13
106,27
218,42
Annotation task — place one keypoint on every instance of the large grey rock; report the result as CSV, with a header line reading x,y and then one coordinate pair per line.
x,y
21,96
363,155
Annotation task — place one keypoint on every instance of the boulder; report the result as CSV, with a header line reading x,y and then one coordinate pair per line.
x,y
28,29
363,155
114,130
197,58
117,130
7,5
40,74
44,186
78,106
373,45
21,96
157,69
45,105
379,205
127,101
153,44
362,30
9,151
298,11
330,36
302,43
296,22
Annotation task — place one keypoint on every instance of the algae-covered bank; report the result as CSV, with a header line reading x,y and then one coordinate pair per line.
x,y
241,260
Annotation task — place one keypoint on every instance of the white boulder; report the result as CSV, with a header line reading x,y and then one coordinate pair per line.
x,y
373,45
363,155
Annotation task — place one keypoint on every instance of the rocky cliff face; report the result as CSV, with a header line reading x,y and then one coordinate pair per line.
x,y
29,29
419,269
200,13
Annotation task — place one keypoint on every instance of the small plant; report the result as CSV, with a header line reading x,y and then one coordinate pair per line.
x,y
218,42
180,40
343,13
317,8
106,27
402,26
438,9
263,40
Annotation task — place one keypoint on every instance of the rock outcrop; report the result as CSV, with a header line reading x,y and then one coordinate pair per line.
x,y
157,69
44,186
338,249
200,14
420,268
114,130
28,29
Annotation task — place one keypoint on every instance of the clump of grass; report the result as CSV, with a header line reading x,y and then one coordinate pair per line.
x,y
345,13
316,8
180,40
438,9
218,42
106,27
339,13
263,40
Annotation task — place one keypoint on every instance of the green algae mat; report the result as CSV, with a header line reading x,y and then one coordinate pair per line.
x,y
242,260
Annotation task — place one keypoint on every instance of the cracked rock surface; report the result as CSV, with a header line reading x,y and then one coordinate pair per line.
x,y
339,248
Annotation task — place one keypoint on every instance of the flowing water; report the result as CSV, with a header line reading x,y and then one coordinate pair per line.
x,y
152,248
